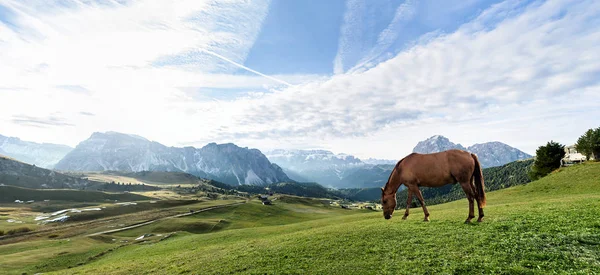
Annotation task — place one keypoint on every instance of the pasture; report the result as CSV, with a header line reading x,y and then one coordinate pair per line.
x,y
546,226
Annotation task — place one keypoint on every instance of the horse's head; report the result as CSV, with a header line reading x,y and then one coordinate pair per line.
x,y
388,203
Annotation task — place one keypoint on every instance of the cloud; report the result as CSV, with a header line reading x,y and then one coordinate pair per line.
x,y
533,54
40,122
517,73
362,39
86,114
74,88
103,52
387,37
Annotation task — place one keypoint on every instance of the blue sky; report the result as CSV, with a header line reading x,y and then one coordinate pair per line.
x,y
369,78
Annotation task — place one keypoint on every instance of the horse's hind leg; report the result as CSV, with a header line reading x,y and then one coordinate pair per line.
x,y
422,201
408,202
480,210
466,186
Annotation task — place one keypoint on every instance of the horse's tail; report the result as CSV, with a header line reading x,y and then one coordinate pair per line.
x,y
479,185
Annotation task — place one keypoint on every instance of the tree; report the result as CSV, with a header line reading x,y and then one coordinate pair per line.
x,y
589,143
547,159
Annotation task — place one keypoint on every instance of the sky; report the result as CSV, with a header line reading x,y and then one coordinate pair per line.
x,y
368,78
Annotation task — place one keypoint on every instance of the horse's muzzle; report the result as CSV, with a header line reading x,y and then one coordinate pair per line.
x,y
387,217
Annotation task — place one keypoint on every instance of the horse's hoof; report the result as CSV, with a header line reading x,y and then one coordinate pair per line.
x,y
479,220
426,219
404,217
467,222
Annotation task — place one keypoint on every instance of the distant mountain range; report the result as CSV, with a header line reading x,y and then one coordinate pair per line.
x,y
346,171
227,163
332,170
490,154
319,166
41,154
231,164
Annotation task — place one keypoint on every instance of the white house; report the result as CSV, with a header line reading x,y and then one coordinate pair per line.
x,y
572,156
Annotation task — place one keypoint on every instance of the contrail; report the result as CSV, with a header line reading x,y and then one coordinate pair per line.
x,y
244,67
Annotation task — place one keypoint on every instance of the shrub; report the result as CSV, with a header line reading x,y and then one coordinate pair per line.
x,y
547,159
589,143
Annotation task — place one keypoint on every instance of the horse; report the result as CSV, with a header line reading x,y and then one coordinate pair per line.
x,y
435,170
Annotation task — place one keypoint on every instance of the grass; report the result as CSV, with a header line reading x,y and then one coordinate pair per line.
x,y
248,215
12,193
547,226
66,246
156,178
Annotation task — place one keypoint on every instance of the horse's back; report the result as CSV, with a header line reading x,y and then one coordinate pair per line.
x,y
438,169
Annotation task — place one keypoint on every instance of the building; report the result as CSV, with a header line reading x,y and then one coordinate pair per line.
x,y
572,156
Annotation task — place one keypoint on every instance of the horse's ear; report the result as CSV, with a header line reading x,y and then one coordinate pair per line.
x,y
382,190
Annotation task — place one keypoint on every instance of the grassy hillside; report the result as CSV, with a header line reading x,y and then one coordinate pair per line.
x,y
12,193
146,177
361,194
16,173
303,189
547,226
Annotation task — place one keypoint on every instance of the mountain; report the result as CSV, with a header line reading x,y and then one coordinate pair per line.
x,y
379,161
320,166
16,173
436,144
490,154
44,155
302,160
369,176
227,163
495,153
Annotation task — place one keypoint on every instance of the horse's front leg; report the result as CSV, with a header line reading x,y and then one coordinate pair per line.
x,y
408,202
422,201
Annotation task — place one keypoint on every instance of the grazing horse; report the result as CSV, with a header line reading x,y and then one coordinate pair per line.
x,y
435,170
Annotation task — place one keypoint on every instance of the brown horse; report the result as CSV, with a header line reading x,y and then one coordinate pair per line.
x,y
435,170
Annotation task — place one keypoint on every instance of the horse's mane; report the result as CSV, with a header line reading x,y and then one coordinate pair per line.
x,y
393,170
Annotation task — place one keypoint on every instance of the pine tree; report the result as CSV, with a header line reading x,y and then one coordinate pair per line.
x,y
547,159
589,143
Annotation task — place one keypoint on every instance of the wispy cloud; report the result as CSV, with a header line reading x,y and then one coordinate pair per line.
x,y
361,39
387,37
41,122
74,88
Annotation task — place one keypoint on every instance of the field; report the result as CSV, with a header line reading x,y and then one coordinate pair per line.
x,y
547,226
155,178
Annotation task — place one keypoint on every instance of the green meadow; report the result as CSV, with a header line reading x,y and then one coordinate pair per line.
x,y
548,226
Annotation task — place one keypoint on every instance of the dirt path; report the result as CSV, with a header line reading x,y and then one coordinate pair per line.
x,y
160,219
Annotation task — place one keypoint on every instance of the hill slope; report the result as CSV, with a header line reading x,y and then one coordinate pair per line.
x,y
16,173
12,193
543,227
